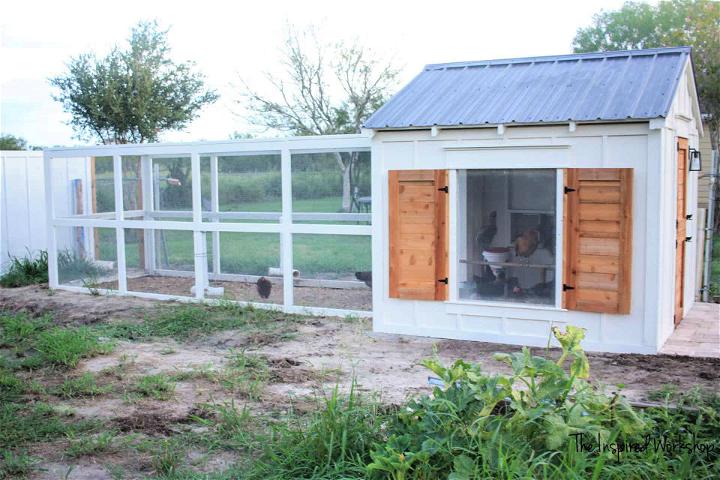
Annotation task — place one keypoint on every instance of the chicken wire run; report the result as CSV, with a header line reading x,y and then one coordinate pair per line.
x,y
281,223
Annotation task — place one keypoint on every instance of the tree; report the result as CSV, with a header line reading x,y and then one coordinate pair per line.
x,y
132,95
323,97
670,23
11,142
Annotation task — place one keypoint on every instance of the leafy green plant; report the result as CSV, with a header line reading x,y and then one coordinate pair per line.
x,y
29,270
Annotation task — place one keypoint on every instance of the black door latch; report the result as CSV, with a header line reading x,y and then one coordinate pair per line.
x,y
445,189
567,287
443,280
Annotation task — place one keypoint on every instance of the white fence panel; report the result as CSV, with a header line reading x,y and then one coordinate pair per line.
x,y
23,226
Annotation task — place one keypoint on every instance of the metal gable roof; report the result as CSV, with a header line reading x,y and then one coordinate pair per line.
x,y
610,86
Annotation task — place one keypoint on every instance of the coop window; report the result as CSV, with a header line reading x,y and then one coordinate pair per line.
x,y
507,229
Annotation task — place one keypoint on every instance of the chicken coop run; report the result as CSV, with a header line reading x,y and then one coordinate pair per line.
x,y
276,223
503,198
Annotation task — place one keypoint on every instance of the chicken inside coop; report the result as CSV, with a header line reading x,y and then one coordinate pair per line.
x,y
507,229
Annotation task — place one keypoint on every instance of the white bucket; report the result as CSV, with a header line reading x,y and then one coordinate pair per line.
x,y
496,255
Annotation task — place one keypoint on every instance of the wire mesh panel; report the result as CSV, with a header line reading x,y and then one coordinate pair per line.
x,y
245,259
334,271
132,183
331,183
248,188
101,185
71,186
169,264
135,254
87,257
172,183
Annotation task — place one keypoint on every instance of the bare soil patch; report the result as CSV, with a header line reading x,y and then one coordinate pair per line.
x,y
352,299
385,363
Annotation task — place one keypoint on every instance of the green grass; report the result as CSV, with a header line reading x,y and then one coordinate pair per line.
x,y
36,342
16,465
28,270
23,424
158,386
245,374
193,320
65,347
253,253
90,444
83,386
495,426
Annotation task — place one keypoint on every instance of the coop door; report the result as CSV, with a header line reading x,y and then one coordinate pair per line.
x,y
598,239
418,214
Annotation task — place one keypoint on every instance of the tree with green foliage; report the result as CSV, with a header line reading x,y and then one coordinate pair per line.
x,y
11,142
327,89
669,23
132,95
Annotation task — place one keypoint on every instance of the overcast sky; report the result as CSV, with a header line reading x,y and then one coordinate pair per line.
x,y
233,39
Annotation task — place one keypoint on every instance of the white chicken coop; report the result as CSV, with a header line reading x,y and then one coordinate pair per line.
x,y
504,197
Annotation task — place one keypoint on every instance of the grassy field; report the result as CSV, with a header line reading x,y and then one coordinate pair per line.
x,y
157,417
322,256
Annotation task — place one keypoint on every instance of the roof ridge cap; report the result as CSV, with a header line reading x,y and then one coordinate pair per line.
x,y
556,58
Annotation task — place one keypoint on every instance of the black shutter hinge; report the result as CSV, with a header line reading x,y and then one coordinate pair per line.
x,y
688,239
443,280
445,189
688,217
568,190
567,287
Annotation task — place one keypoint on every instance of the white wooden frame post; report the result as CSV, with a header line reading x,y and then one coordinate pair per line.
x,y
286,245
148,195
119,229
199,239
215,208
49,217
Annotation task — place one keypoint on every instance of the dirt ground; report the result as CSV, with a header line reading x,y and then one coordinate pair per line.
x,y
351,299
321,353
388,364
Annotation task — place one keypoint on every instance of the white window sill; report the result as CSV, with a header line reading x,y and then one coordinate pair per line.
x,y
491,304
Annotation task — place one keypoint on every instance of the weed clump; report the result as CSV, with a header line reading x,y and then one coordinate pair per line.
x,y
526,424
28,270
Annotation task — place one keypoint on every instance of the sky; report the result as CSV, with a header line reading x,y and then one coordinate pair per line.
x,y
236,40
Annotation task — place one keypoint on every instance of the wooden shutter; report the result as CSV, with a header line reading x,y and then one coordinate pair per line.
x,y
598,239
418,209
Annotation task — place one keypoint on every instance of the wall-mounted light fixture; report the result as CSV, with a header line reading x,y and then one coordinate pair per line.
x,y
695,160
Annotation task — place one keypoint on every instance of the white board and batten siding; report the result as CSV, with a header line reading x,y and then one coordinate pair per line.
x,y
23,227
680,122
635,146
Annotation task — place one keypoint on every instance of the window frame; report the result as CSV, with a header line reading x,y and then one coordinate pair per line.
x,y
458,236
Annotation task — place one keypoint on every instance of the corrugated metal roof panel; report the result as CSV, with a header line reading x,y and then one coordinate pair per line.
x,y
634,84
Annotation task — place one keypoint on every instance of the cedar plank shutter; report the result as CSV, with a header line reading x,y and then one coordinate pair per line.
x,y
418,211
598,239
